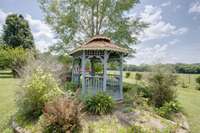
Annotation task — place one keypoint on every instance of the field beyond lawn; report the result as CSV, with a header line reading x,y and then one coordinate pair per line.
x,y
188,97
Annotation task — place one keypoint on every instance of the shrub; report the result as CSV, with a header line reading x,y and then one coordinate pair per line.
x,y
127,87
14,59
163,87
138,76
62,115
69,86
99,104
141,89
168,109
37,89
128,74
198,82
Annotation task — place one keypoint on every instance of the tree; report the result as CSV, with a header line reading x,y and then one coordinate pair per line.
x,y
76,20
17,33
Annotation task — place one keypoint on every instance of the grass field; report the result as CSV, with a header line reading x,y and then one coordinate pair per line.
x,y
8,87
188,97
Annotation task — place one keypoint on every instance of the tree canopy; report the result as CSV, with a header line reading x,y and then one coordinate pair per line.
x,y
17,33
76,20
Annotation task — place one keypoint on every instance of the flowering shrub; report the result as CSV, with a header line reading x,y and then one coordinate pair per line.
x,y
99,104
37,89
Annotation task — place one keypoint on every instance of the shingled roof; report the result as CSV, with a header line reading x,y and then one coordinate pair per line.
x,y
100,43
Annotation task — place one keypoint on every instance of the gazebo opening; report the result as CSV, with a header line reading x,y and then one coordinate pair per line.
x,y
97,66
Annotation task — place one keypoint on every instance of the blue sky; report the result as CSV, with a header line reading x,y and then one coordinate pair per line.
x,y
173,35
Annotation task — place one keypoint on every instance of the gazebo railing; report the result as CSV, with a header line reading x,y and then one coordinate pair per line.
x,y
76,78
113,86
93,84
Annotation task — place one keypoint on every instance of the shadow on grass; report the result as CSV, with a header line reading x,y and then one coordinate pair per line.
x,y
6,76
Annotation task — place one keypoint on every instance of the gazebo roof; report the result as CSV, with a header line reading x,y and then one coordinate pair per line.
x,y
100,43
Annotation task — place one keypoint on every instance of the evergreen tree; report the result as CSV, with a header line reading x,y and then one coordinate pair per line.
x,y
17,33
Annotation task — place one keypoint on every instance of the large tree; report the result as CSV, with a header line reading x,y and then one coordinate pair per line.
x,y
76,20
17,33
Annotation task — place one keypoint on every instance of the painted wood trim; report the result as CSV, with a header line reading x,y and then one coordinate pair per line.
x,y
83,72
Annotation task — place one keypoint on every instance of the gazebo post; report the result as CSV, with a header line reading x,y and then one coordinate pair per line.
x,y
72,79
105,70
121,76
83,71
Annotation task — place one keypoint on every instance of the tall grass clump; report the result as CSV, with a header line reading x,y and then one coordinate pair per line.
x,y
61,115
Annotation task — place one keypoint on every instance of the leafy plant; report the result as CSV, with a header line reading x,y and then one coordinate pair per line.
x,y
99,104
128,74
62,115
168,109
37,89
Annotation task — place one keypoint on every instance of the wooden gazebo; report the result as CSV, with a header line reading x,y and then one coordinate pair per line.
x,y
97,52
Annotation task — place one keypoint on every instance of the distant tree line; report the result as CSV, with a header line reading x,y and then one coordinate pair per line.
x,y
179,68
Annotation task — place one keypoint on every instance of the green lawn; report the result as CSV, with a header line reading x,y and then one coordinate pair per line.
x,y
8,87
188,97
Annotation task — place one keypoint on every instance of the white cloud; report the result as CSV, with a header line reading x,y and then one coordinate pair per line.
x,y
168,3
2,19
195,8
43,35
153,55
158,28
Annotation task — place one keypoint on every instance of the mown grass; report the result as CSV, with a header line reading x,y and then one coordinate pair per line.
x,y
8,87
189,97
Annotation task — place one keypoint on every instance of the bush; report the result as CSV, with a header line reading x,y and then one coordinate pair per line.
x,y
37,89
128,74
163,87
198,82
138,76
69,86
99,104
14,59
62,115
127,87
168,109
143,90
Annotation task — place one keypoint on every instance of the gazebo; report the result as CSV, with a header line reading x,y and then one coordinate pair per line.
x,y
91,69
